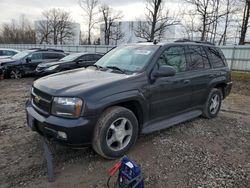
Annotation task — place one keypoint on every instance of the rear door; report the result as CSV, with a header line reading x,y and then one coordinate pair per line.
x,y
171,95
200,69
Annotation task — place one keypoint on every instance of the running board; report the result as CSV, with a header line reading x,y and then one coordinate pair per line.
x,y
171,121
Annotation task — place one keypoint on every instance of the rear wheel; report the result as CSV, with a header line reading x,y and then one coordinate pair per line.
x,y
115,133
213,103
15,74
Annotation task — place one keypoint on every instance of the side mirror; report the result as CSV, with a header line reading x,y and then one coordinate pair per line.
x,y
164,71
28,60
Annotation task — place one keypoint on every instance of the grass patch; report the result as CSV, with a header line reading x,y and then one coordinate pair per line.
x,y
236,75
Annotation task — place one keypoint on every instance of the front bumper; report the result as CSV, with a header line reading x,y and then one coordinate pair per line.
x,y
79,131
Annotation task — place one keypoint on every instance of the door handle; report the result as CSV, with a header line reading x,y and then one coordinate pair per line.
x,y
186,81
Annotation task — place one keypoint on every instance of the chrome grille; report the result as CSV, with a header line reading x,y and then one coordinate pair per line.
x,y
41,101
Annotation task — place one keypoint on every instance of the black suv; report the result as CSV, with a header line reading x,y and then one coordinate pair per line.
x,y
25,62
133,89
72,61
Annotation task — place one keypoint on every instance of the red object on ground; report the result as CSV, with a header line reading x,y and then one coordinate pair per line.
x,y
115,168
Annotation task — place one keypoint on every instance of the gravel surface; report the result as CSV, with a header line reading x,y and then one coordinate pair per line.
x,y
199,153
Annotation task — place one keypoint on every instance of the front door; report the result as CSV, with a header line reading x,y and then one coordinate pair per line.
x,y
171,95
31,62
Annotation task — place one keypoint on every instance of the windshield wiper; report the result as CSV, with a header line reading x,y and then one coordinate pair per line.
x,y
116,68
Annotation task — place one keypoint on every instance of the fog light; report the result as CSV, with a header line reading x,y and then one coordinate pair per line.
x,y
62,135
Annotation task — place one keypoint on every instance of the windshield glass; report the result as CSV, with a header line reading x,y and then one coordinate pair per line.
x,y
71,57
128,58
21,55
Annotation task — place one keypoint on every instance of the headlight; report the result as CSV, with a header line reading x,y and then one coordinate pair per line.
x,y
67,107
52,67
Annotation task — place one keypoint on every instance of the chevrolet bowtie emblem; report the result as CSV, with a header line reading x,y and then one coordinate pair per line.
x,y
37,99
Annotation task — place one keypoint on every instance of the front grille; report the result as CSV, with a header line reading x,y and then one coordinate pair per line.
x,y
41,101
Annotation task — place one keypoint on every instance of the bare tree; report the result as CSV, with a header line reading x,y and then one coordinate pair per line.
x,y
90,9
189,23
157,21
245,22
208,14
116,32
55,27
18,32
109,17
231,9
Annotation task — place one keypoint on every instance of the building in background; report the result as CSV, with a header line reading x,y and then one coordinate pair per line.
x,y
70,35
125,33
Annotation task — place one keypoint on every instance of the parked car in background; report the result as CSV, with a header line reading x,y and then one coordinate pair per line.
x,y
133,89
25,62
72,61
5,52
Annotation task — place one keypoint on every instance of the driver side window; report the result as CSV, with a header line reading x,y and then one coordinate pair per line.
x,y
174,57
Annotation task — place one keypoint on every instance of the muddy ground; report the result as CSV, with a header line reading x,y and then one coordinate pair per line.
x,y
198,153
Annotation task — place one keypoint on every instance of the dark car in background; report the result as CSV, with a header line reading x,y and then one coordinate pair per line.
x,y
25,62
6,53
72,61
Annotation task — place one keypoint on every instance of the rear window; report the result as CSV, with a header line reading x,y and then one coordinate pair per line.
x,y
216,57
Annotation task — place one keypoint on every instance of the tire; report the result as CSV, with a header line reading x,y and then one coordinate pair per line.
x,y
115,132
15,74
213,104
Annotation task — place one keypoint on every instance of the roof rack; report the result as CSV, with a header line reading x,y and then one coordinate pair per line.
x,y
51,49
34,48
195,41
46,49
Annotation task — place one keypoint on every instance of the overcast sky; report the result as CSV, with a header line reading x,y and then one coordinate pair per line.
x,y
13,9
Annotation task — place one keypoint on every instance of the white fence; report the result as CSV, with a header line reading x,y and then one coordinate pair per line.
x,y
238,57
66,48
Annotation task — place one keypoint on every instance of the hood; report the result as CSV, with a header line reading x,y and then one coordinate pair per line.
x,y
4,57
74,82
7,60
49,64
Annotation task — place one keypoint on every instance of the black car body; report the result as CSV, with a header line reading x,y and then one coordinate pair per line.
x,y
26,61
141,88
72,61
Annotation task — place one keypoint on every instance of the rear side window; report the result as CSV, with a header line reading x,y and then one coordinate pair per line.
x,y
52,56
175,57
87,58
97,57
198,58
215,57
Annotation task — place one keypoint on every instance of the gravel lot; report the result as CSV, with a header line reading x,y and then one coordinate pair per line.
x,y
198,153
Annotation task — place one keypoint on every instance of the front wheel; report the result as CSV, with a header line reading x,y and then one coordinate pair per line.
x,y
213,103
15,74
115,133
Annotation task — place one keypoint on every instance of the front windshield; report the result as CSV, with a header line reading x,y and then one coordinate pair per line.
x,y
71,57
128,58
20,55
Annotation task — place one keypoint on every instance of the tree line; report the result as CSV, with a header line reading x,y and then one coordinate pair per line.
x,y
205,20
